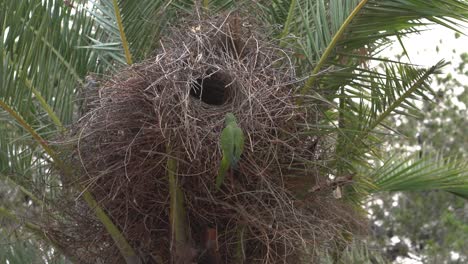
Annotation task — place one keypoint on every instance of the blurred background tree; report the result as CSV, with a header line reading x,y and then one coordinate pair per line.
x,y
432,226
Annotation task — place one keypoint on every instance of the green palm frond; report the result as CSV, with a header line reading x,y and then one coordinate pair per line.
x,y
277,12
218,6
42,66
19,250
346,38
383,94
357,252
18,247
32,32
143,23
41,69
369,25
123,36
107,42
67,171
364,105
427,173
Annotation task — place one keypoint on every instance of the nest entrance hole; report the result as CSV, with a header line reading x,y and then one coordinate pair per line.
x,y
211,89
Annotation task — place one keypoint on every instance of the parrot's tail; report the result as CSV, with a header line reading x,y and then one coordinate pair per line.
x,y
234,163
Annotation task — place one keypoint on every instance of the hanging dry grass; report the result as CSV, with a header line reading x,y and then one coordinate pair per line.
x,y
179,98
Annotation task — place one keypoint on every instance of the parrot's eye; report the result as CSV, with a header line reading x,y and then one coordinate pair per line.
x,y
210,89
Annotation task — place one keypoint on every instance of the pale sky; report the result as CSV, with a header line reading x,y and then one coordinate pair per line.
x,y
422,49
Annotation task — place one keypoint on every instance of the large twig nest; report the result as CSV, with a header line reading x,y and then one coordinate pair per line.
x,y
179,98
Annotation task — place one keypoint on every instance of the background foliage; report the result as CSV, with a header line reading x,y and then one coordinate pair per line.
x,y
432,225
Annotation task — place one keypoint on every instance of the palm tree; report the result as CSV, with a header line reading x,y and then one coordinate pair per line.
x,y
48,48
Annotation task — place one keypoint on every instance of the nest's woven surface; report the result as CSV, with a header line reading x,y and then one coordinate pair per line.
x,y
179,98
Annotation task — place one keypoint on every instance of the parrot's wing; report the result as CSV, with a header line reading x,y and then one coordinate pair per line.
x,y
238,142
227,142
232,144
223,168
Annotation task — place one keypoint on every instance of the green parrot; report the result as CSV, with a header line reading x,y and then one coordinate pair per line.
x,y
232,145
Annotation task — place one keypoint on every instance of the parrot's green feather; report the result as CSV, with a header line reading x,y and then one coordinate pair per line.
x,y
223,168
232,145
230,119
